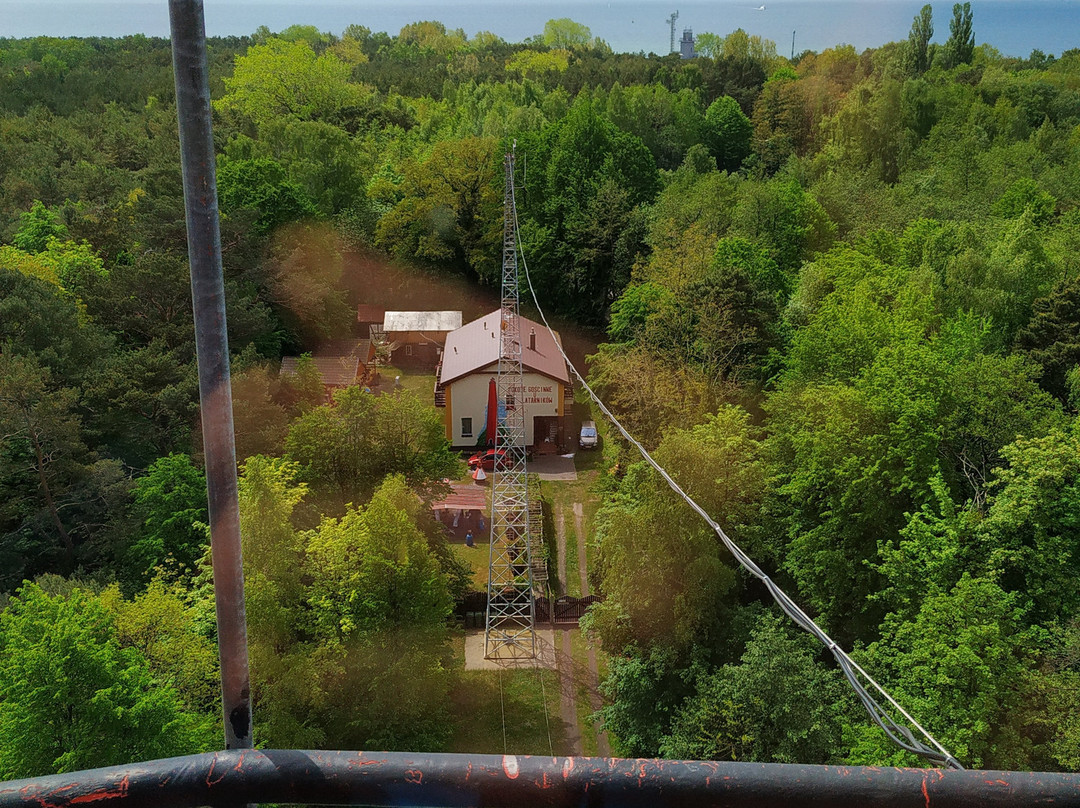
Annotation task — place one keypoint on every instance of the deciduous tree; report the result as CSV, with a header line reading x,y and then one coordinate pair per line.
x,y
372,569
170,507
963,660
349,447
36,227
448,213
281,78
565,33
262,186
594,174
779,704
71,698
727,133
1033,511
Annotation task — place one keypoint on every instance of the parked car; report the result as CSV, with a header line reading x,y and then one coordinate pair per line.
x,y
486,459
588,438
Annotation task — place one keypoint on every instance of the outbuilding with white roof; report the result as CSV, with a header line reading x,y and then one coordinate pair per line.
x,y
417,337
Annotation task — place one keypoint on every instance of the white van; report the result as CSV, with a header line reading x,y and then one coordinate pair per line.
x,y
588,439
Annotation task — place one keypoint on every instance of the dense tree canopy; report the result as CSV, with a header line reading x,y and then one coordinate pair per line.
x,y
71,697
840,295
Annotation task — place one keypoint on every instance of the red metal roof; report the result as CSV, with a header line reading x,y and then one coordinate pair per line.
x,y
462,497
475,345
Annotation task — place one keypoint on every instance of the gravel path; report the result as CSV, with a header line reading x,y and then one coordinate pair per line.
x,y
595,699
583,564
567,698
560,548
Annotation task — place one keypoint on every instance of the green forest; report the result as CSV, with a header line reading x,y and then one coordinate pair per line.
x,y
841,300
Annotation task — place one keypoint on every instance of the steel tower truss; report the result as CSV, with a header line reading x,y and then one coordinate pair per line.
x,y
671,22
510,627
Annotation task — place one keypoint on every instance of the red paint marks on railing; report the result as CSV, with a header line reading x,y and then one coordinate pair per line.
x,y
510,766
40,800
210,774
119,792
414,776
361,762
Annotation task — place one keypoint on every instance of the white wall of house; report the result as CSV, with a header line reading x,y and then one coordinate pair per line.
x,y
468,399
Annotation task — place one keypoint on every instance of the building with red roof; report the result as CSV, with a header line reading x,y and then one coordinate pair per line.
x,y
470,362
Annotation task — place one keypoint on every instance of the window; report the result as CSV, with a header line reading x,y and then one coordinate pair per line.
x,y
466,427
408,350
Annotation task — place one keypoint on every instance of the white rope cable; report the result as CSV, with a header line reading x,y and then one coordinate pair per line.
x,y
502,710
547,719
848,666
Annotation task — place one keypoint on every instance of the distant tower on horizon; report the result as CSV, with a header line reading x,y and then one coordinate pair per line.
x,y
671,22
686,44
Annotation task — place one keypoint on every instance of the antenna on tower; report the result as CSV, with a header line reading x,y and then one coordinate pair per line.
x,y
793,46
671,22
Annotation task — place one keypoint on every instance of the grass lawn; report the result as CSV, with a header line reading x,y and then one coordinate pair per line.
x,y
586,460
565,493
572,585
477,558
420,382
579,649
483,698
592,505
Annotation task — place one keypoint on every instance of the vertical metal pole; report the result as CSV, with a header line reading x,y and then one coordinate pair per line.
x,y
212,346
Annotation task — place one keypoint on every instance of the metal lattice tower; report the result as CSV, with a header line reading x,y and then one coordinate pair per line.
x,y
671,22
510,627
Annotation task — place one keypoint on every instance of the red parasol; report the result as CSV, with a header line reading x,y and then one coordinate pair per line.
x,y
492,412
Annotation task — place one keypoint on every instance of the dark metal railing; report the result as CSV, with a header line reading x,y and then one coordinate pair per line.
x,y
404,778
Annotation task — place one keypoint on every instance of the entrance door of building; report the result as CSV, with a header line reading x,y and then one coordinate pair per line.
x,y
546,437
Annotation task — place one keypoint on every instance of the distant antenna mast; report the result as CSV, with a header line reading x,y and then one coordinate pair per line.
x,y
510,628
793,46
671,22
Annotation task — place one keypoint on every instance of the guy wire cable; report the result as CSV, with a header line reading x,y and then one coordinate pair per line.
x,y
502,709
547,719
899,734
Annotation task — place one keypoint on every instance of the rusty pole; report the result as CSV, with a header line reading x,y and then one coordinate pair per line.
x,y
212,347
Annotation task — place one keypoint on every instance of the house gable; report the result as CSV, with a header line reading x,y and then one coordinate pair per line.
x,y
475,347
